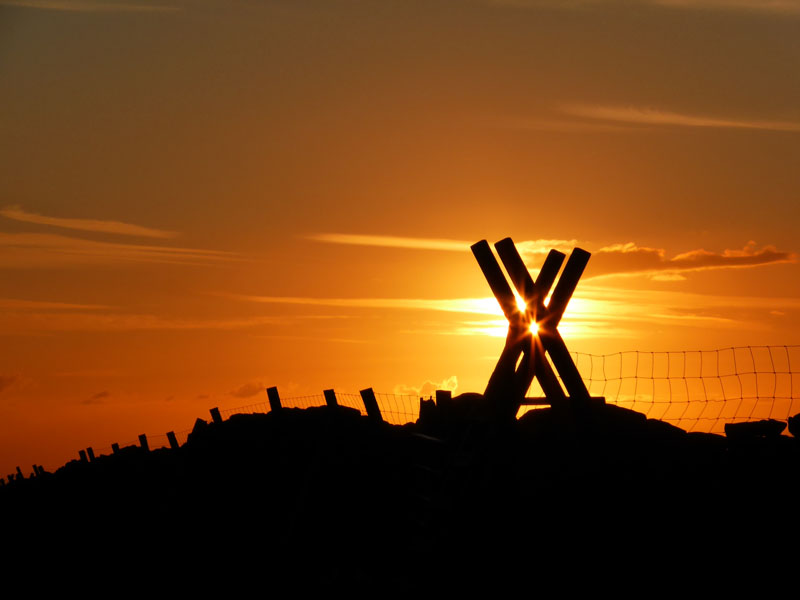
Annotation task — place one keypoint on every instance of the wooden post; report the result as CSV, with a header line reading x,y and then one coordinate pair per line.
x,y
143,443
330,398
274,399
215,416
444,400
497,281
566,286
19,474
371,404
173,441
115,448
90,452
82,454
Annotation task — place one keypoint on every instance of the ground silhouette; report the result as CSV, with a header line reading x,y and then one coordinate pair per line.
x,y
326,496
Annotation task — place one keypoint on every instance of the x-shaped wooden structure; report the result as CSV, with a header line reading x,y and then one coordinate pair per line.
x,y
533,333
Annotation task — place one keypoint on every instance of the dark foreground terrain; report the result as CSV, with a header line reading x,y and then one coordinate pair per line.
x,y
325,496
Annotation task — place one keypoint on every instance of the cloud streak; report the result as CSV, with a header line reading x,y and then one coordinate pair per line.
x,y
481,306
116,227
649,116
630,259
88,6
41,250
387,241
760,6
15,304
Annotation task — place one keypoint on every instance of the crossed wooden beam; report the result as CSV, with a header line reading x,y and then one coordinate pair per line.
x,y
533,333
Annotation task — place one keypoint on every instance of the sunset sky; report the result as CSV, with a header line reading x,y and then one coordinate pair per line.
x,y
201,198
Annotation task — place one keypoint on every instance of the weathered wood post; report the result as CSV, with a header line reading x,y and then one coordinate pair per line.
x,y
82,454
444,401
215,416
173,441
274,399
90,452
533,331
371,404
19,473
330,398
143,443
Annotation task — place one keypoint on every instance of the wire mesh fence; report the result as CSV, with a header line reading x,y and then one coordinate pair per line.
x,y
698,390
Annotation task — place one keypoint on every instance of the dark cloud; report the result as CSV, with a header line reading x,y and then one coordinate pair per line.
x,y
247,390
624,259
97,398
6,381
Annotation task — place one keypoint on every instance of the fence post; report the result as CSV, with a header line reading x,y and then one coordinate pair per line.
x,y
82,454
173,441
90,453
274,399
330,398
371,404
143,443
19,473
215,416
115,448
444,400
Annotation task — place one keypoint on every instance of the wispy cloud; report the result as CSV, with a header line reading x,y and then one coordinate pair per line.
x,y
773,6
527,247
6,381
89,6
31,250
97,398
16,304
630,259
248,389
482,306
428,388
650,116
387,241
762,6
52,322
116,227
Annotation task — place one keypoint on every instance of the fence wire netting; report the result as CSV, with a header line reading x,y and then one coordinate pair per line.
x,y
697,390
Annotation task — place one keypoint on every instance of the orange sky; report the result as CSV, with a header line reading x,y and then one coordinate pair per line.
x,y
202,198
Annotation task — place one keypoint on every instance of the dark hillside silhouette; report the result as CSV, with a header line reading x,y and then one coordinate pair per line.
x,y
572,497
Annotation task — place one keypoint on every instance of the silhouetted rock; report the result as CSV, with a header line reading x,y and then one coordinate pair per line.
x,y
766,428
794,425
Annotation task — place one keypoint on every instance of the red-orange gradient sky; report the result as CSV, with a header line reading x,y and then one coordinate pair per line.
x,y
200,198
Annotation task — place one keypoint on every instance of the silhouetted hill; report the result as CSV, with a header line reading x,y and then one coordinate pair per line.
x,y
327,496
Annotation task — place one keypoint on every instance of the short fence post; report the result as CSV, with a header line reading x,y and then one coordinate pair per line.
x,y
444,400
371,404
274,399
115,448
90,453
173,441
330,398
143,443
215,416
82,454
36,470
19,474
